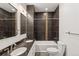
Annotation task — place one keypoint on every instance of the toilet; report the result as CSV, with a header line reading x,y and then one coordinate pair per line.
x,y
57,51
52,51
19,51
61,47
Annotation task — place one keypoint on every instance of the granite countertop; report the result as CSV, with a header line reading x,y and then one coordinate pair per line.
x,y
4,43
22,44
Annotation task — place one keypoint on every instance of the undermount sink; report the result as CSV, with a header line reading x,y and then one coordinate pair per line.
x,y
29,41
19,51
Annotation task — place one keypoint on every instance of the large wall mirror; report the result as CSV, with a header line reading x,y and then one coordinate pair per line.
x,y
23,24
7,20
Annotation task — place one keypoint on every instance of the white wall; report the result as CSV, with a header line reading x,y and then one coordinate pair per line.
x,y
69,21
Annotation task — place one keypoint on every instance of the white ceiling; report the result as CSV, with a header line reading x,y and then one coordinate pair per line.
x,y
40,7
7,7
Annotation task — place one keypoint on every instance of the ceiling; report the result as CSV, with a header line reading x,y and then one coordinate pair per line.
x,y
40,7
7,7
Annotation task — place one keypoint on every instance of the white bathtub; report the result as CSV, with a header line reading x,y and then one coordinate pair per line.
x,y
41,46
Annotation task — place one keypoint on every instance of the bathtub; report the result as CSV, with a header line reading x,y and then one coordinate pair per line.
x,y
41,46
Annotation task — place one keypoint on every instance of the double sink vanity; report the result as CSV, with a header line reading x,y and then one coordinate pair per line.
x,y
21,47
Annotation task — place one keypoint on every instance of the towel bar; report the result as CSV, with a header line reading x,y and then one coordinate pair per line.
x,y
71,33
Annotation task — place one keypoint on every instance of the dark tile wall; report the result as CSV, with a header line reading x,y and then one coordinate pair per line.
x,y
56,14
30,22
39,23
38,26
53,25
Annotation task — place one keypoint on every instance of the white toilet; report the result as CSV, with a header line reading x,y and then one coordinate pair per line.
x,y
57,51
61,47
19,51
52,51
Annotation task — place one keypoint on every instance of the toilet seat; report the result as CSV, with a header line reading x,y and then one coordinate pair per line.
x,y
52,51
18,51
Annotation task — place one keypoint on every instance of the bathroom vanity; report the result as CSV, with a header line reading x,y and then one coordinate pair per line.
x,y
19,44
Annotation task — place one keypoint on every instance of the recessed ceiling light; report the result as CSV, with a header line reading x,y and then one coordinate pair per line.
x,y
46,9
